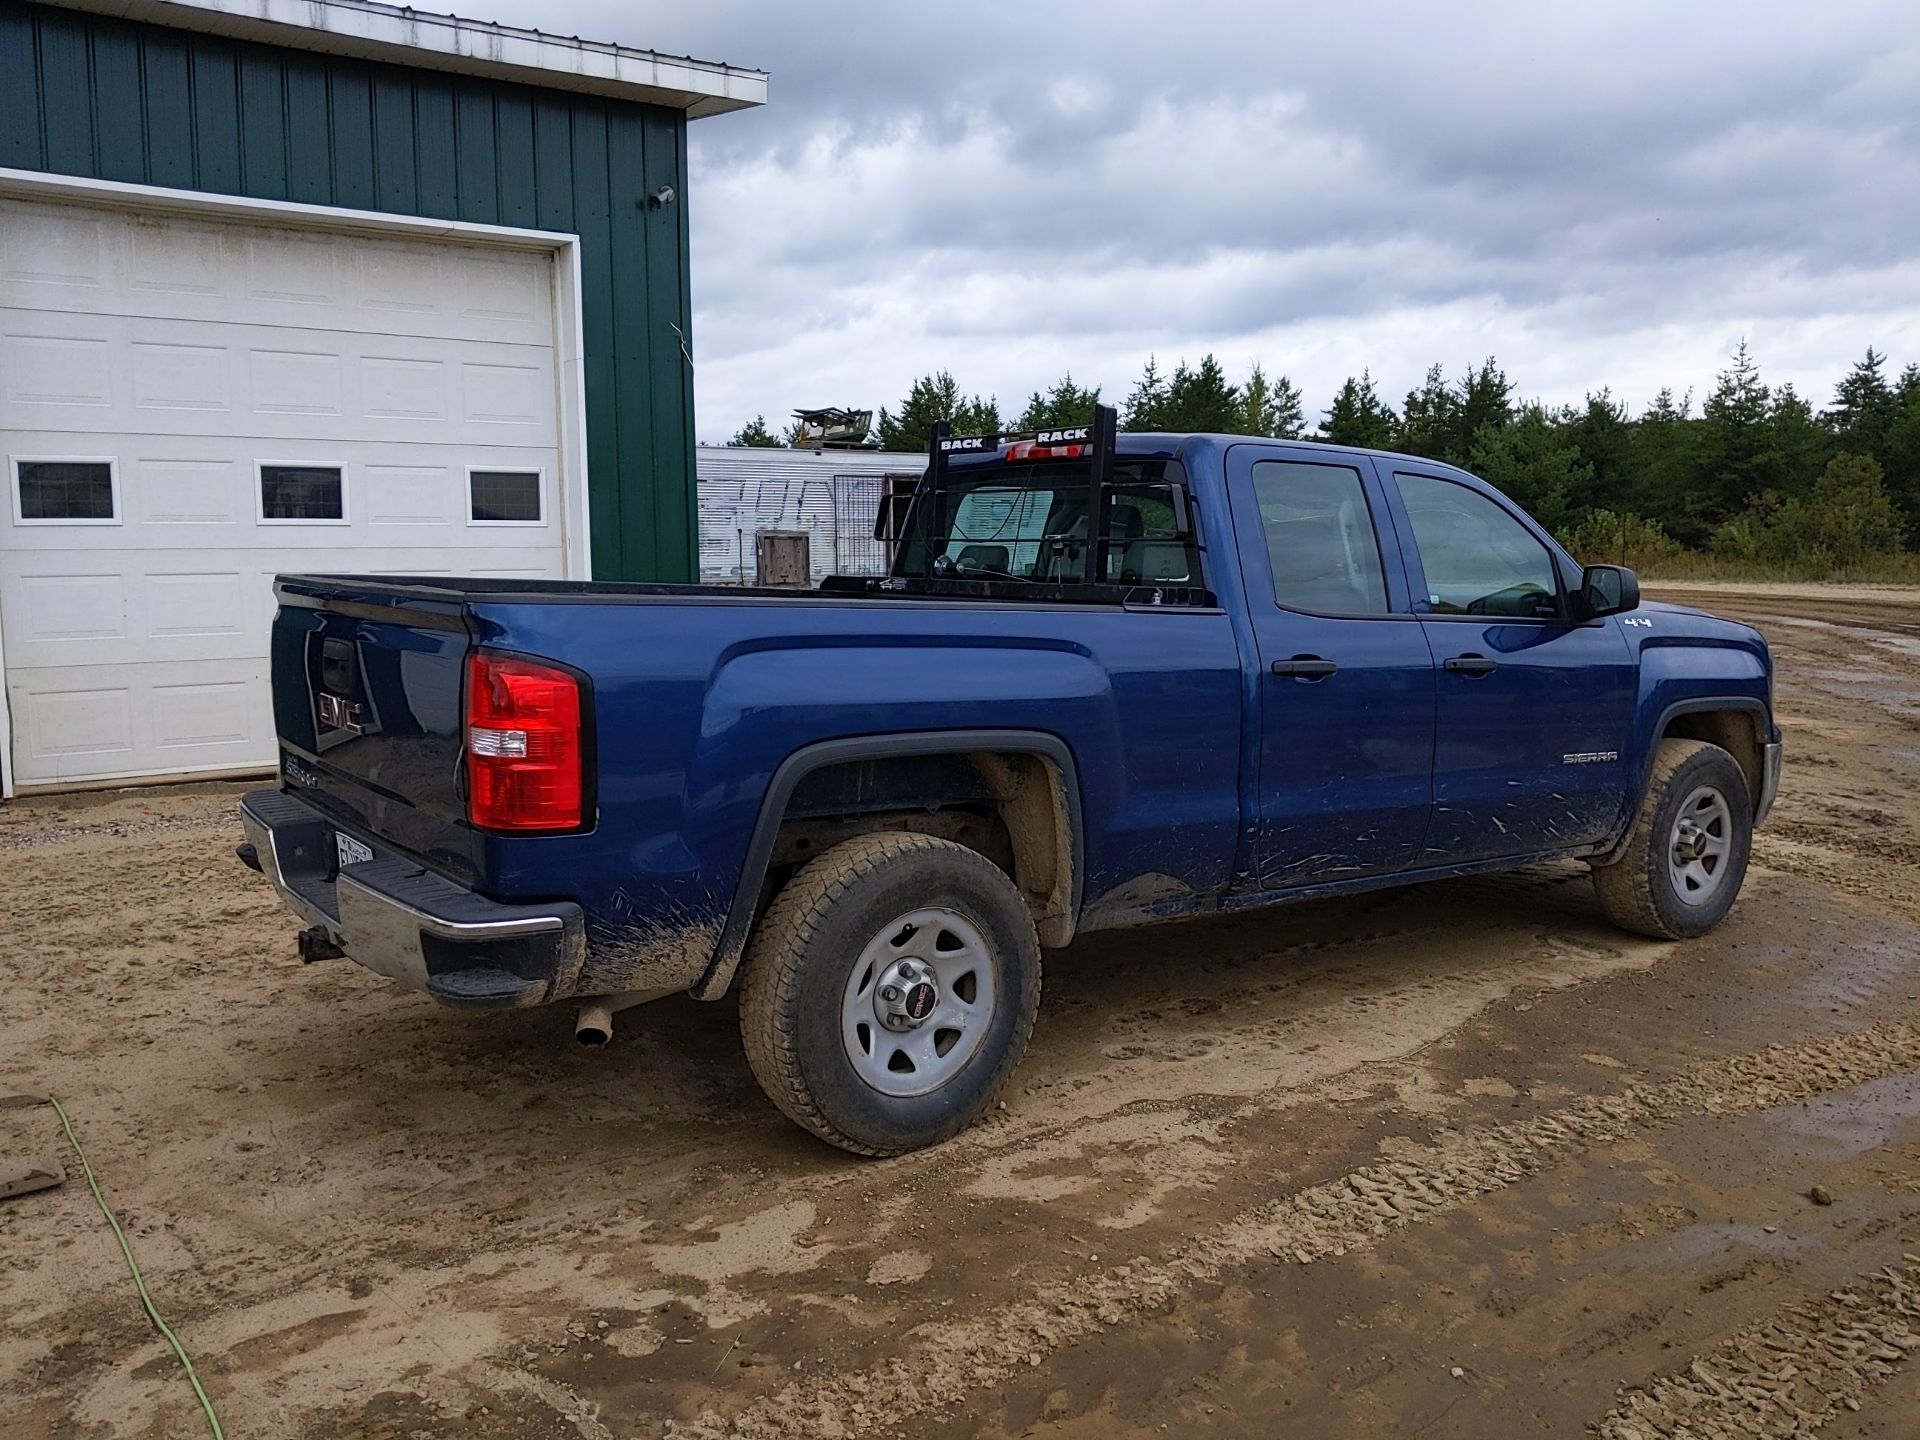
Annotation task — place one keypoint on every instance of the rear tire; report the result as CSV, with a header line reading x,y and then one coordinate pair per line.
x,y
889,990
1683,865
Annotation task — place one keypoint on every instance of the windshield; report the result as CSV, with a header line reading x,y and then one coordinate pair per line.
x,y
1029,522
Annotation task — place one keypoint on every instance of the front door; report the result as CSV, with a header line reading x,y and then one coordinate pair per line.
x,y
1345,691
1536,710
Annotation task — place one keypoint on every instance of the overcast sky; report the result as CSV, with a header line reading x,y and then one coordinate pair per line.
x,y
1597,194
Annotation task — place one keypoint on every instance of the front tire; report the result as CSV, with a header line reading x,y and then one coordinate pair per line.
x,y
1687,856
889,991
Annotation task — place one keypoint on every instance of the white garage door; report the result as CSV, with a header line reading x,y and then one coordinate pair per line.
x,y
189,406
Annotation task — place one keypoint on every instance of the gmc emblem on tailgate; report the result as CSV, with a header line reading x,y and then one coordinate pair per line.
x,y
336,713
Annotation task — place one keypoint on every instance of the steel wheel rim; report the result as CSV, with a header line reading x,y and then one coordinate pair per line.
x,y
1700,846
926,1056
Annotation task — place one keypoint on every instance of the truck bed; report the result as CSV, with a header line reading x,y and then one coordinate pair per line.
x,y
694,707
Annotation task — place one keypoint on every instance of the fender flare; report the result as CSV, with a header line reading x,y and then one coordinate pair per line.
x,y
1694,705
732,947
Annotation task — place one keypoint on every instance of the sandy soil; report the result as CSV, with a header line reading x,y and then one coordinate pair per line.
x,y
1456,1161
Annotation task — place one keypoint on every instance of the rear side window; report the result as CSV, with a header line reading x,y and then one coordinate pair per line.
x,y
1320,538
1145,546
998,529
1478,559
1029,522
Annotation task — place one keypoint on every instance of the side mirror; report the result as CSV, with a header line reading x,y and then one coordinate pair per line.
x,y
1607,590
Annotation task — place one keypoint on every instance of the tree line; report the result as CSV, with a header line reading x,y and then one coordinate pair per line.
x,y
1753,475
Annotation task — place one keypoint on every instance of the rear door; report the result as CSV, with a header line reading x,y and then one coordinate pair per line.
x,y
1345,690
1535,710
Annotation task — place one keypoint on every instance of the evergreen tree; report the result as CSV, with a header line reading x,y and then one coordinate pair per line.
x,y
977,417
1270,407
1146,407
1664,458
1533,460
1733,441
1358,416
1795,446
1603,439
1427,421
1065,404
1256,404
1863,406
932,398
1754,473
1486,399
1289,417
1848,518
1900,449
1201,398
755,435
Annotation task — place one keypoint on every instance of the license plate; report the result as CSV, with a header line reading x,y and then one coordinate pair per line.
x,y
349,850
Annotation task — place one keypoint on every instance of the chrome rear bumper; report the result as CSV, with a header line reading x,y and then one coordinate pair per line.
x,y
412,924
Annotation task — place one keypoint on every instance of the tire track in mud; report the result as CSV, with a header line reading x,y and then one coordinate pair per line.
x,y
1788,1375
948,1361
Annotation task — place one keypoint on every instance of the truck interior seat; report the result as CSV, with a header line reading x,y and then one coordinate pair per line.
x,y
1148,562
983,557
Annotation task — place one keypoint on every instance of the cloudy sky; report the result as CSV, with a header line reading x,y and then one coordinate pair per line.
x,y
1603,193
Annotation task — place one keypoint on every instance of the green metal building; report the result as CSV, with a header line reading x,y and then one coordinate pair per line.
x,y
302,284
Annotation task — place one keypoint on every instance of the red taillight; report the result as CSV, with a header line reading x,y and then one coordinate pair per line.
x,y
525,760
1034,450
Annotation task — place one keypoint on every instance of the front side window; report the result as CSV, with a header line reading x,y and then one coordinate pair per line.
x,y
64,492
302,492
1478,559
1320,538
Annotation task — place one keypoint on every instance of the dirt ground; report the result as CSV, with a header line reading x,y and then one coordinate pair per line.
x,y
1454,1161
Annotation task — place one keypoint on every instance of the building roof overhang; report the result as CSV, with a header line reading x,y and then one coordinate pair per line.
x,y
370,30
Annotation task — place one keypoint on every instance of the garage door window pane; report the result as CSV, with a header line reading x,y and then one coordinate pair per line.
x,y
506,496
301,492
65,489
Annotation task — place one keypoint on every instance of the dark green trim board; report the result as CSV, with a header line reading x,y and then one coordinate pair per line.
x,y
109,99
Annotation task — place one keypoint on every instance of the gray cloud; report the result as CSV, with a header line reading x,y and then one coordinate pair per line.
x,y
1601,194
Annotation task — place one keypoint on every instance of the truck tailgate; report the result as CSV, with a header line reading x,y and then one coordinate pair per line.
x,y
368,685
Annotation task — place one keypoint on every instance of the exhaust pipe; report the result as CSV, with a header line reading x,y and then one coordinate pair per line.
x,y
593,1026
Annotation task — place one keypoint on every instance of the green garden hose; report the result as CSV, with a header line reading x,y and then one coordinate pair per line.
x,y
126,1249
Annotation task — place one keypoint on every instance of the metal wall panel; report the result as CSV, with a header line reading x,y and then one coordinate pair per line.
x,y
833,495
87,95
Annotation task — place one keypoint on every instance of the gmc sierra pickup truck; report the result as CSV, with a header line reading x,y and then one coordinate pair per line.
x,y
1111,680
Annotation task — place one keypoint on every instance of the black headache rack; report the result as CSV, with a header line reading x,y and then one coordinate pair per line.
x,y
1097,442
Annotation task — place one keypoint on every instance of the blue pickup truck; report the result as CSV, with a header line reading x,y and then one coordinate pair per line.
x,y
1112,679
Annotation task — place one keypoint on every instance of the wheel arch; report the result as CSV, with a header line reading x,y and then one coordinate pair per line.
x,y
1736,723
1056,847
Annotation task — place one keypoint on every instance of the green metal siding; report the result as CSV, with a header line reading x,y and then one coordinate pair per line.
x,y
112,100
